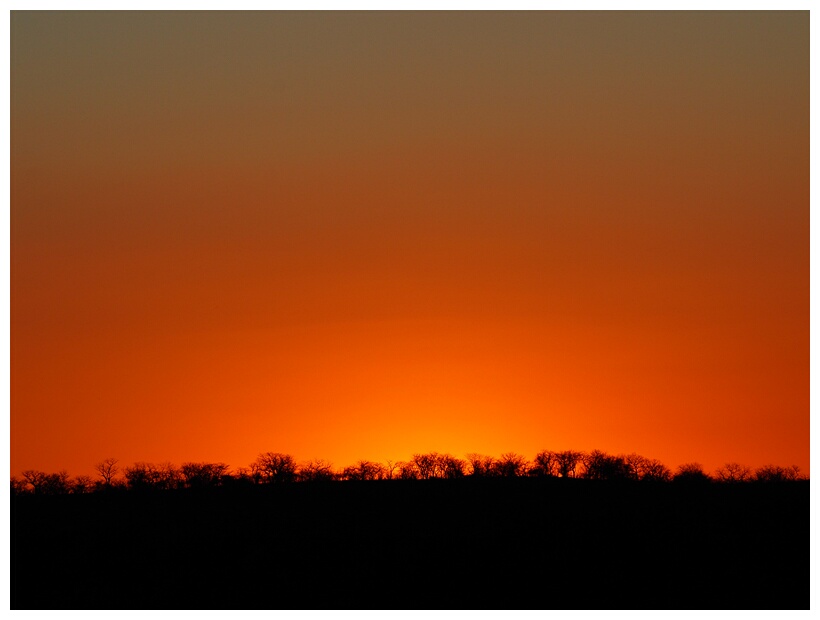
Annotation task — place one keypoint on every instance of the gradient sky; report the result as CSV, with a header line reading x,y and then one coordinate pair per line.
x,y
364,235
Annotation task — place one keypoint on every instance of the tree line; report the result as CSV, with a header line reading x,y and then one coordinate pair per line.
x,y
279,468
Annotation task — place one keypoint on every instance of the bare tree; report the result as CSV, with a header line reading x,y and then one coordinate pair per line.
x,y
82,484
143,476
793,473
391,468
691,472
510,465
18,486
61,482
35,479
407,470
167,476
450,466
255,472
364,470
775,473
315,470
733,472
139,476
58,484
274,467
480,465
567,462
47,484
544,464
635,465
654,470
203,474
426,464
599,465
107,469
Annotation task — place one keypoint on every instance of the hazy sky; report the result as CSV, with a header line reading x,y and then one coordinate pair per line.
x,y
360,235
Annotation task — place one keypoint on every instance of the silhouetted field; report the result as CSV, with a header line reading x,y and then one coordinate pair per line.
x,y
522,543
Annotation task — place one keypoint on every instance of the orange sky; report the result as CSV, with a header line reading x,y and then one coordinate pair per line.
x,y
363,235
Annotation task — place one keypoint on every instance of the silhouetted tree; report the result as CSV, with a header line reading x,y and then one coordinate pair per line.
x,y
107,469
599,465
242,477
635,465
510,465
425,467
364,470
316,470
82,484
567,462
407,470
426,464
143,476
391,469
167,476
691,473
544,464
480,465
47,484
793,473
18,486
733,472
450,467
199,475
654,470
35,479
59,483
139,476
273,467
775,473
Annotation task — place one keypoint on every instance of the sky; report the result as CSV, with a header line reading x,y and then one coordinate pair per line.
x,y
364,235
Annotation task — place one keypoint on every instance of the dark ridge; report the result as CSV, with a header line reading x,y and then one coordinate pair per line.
x,y
468,543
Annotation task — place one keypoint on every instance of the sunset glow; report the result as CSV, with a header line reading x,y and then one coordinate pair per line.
x,y
367,235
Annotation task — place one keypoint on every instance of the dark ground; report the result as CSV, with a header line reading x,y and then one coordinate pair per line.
x,y
437,544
